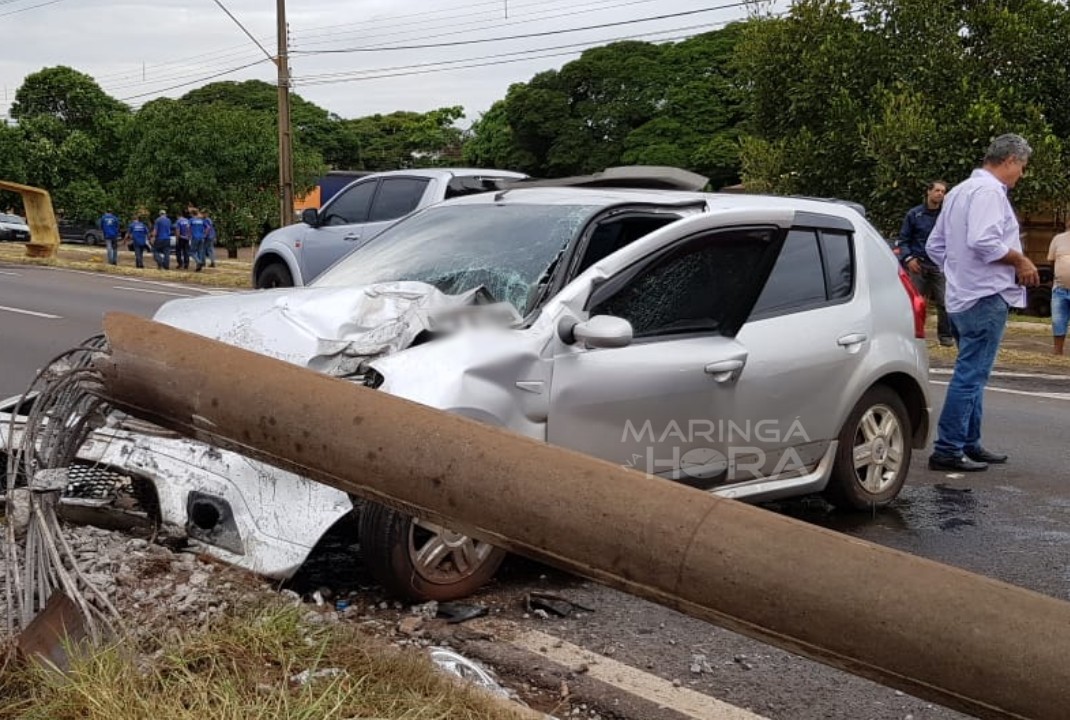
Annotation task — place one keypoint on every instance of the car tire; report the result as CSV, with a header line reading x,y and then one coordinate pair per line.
x,y
391,545
274,275
873,455
90,239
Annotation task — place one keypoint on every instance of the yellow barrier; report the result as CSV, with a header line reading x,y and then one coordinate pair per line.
x,y
44,232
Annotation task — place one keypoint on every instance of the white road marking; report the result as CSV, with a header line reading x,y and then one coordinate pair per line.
x,y
1027,393
1006,374
154,292
20,311
12,274
683,700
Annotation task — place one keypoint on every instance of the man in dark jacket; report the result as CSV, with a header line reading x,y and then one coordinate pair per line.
x,y
924,273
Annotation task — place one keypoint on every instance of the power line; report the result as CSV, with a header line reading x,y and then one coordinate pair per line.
x,y
484,20
29,7
238,23
178,75
193,82
524,36
354,74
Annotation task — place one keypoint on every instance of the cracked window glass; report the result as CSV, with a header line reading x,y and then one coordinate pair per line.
x,y
692,290
504,248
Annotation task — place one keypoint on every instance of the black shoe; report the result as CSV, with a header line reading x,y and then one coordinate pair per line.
x,y
947,342
955,464
984,456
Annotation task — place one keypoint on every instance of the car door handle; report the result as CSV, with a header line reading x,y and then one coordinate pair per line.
x,y
852,339
352,238
725,370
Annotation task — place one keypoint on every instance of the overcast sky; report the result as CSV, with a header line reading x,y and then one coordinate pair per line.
x,y
141,50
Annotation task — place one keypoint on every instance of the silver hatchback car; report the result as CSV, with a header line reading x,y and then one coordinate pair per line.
x,y
754,347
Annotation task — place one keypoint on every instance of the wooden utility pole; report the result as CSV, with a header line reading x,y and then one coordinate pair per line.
x,y
286,178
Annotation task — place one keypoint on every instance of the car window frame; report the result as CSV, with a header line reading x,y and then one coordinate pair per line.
x,y
820,231
608,287
326,212
424,181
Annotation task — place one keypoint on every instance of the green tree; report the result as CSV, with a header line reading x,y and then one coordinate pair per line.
x,y
313,126
867,102
71,135
401,140
222,158
490,142
623,103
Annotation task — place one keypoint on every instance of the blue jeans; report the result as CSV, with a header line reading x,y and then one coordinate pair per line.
x,y
209,250
196,249
979,331
112,246
139,255
1060,311
161,253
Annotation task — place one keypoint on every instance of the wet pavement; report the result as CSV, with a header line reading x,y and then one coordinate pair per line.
x,y
1011,523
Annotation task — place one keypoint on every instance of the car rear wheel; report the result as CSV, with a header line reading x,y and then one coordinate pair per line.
x,y
420,560
90,239
274,275
874,451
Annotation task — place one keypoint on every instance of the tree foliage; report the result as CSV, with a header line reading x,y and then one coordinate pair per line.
x,y
218,156
869,101
70,135
624,103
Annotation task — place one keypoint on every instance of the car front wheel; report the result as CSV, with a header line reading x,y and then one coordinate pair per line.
x,y
874,451
273,276
420,560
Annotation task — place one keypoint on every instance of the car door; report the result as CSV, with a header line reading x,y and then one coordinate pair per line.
x,y
658,405
806,339
340,228
396,197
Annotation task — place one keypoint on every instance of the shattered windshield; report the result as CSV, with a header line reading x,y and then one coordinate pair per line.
x,y
505,248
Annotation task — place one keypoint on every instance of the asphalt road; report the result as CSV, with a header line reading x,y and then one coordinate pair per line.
x,y
1011,523
44,312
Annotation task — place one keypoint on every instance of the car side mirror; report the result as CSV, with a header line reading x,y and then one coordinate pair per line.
x,y
310,216
601,331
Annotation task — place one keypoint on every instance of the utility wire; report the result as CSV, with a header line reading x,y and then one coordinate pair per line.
x,y
302,38
354,74
524,36
29,7
238,23
214,55
178,75
194,82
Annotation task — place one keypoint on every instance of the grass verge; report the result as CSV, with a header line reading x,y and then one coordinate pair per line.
x,y
248,664
227,273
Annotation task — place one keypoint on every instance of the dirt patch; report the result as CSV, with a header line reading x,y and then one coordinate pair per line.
x,y
1026,347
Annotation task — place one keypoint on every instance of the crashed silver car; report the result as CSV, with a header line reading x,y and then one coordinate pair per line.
x,y
750,346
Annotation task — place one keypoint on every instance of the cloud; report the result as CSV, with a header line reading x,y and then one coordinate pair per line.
x,y
138,51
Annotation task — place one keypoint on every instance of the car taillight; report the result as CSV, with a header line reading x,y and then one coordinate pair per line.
x,y
917,303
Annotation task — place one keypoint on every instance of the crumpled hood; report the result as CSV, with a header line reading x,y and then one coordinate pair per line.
x,y
330,329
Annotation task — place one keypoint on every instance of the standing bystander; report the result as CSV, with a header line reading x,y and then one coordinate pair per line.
x,y
1059,251
138,233
209,239
976,244
196,245
161,241
182,233
926,276
109,228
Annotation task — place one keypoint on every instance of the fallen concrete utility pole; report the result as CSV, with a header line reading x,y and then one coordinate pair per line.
x,y
953,637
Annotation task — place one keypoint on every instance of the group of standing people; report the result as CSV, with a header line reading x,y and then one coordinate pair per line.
x,y
963,250
193,231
